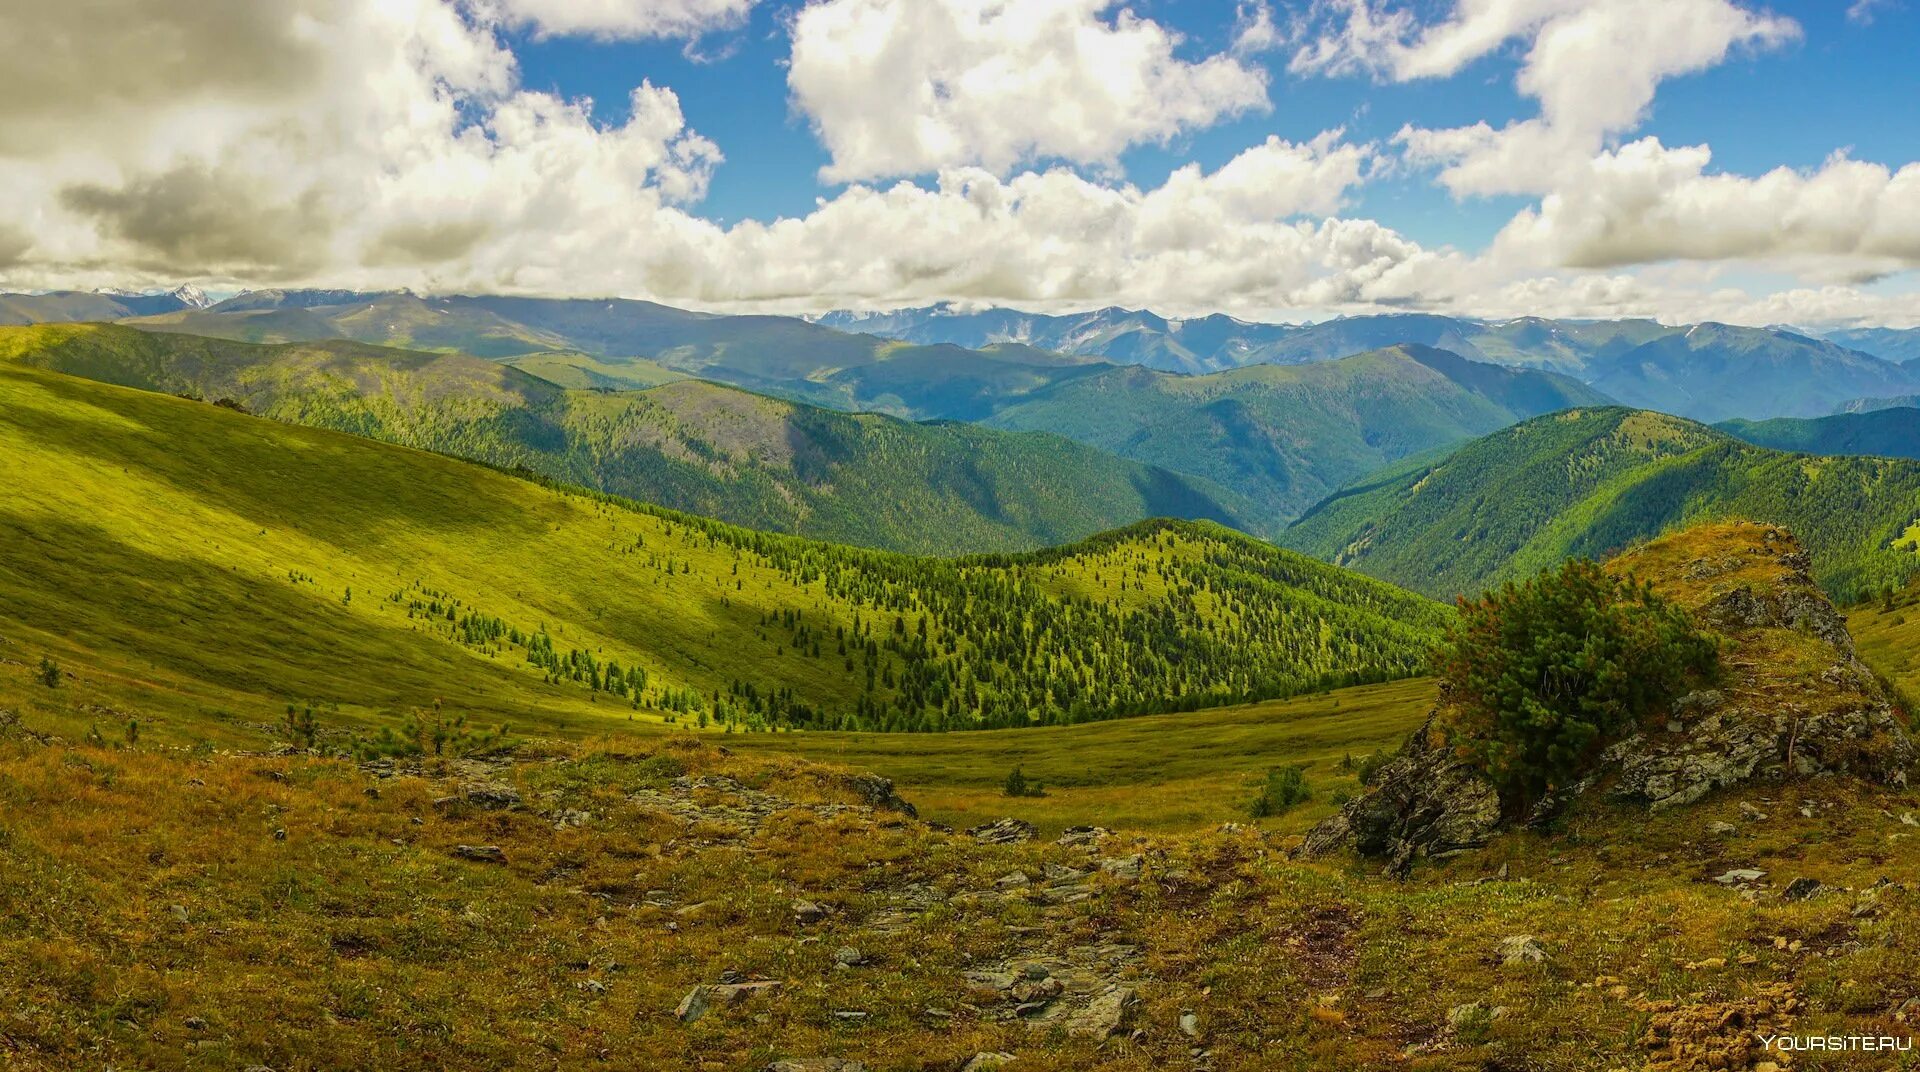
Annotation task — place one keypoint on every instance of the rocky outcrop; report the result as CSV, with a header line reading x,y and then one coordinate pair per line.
x,y
1426,802
1770,720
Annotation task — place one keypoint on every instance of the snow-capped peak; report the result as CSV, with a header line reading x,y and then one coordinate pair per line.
x,y
191,296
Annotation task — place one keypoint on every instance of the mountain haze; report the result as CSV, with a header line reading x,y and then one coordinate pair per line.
x,y
1285,436
1708,372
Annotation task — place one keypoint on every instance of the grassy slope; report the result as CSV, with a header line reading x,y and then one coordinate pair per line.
x,y
171,910
1593,481
1285,436
694,446
1161,772
199,560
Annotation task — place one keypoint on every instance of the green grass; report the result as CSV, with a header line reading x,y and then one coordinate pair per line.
x,y
1161,772
208,567
712,450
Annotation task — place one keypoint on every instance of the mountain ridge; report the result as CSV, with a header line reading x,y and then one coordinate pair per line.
x,y
687,444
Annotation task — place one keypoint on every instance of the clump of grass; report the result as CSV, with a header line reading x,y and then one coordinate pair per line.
x,y
1284,789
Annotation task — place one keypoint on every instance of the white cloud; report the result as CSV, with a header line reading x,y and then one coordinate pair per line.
x,y
615,19
388,143
905,87
1646,202
1861,12
1594,68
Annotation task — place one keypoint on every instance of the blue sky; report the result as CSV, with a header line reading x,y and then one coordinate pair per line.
x,y
1272,159
1848,84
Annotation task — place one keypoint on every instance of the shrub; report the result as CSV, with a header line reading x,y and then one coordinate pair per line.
x,y
49,673
1017,785
1284,788
302,727
1543,675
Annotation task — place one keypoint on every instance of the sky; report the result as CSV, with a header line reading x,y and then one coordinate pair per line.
x,y
1685,159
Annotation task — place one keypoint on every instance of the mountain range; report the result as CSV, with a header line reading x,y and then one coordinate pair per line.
x,y
1254,446
1593,481
687,444
1892,432
1707,372
79,305
1284,436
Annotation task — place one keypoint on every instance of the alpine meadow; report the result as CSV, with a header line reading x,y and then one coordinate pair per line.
x,y
960,536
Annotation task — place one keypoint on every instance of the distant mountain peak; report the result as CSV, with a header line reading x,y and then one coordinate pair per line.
x,y
191,296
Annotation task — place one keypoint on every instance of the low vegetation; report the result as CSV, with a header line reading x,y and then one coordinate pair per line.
x,y
1541,675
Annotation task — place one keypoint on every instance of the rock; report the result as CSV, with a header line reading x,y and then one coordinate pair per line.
x,y
1467,1014
1751,813
816,1064
179,913
1425,802
1081,835
1801,889
1123,867
735,993
1105,1015
849,956
1520,949
1003,832
693,1006
1012,880
486,854
1720,829
1190,1024
1701,702
877,793
492,797
991,980
195,1023
987,1061
807,913
1740,876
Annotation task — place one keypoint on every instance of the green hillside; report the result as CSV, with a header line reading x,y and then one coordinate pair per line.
x,y
1892,433
1591,481
689,445
1286,436
215,566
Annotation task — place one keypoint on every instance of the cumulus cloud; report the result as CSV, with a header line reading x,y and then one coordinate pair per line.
x,y
906,87
617,19
1646,202
358,131
388,143
1593,68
